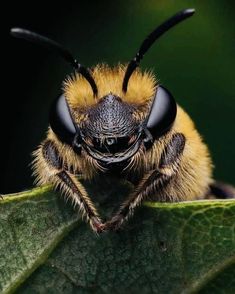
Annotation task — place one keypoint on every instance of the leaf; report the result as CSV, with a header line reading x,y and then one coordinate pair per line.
x,y
186,247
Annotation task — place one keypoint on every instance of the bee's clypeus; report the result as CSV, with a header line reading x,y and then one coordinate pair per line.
x,y
109,117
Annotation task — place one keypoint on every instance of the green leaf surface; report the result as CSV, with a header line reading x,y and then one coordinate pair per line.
x,y
186,247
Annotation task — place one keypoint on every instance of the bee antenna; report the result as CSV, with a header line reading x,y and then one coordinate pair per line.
x,y
151,38
54,46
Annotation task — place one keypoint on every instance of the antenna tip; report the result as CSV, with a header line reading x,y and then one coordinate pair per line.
x,y
16,32
189,11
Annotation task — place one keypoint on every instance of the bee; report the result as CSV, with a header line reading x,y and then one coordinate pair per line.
x,y
120,120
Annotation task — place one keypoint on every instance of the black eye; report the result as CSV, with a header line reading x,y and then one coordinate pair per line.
x,y
162,113
61,121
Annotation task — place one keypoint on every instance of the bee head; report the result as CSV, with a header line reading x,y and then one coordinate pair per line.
x,y
112,127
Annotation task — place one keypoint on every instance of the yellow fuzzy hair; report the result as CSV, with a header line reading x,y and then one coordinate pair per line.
x,y
79,94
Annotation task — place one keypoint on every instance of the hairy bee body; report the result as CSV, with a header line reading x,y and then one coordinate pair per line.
x,y
119,120
194,168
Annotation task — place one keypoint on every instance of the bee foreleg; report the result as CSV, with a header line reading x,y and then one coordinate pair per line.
x,y
49,168
153,182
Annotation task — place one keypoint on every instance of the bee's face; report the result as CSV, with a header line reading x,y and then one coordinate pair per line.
x,y
113,127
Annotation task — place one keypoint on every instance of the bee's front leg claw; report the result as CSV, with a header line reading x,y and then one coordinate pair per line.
x,y
97,225
115,223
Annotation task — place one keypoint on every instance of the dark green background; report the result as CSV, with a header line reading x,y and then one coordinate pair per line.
x,y
195,61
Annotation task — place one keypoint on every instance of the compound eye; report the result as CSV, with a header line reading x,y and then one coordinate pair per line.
x,y
61,121
162,113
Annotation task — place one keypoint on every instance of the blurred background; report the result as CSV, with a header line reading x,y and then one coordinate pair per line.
x,y
195,61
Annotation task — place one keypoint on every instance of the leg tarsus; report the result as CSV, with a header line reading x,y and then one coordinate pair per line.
x,y
115,223
97,225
